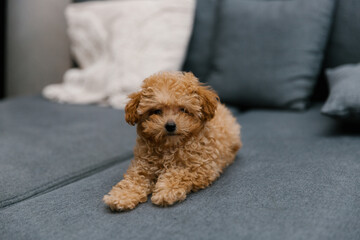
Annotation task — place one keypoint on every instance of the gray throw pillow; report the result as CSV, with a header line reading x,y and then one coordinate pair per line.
x,y
200,45
344,99
269,53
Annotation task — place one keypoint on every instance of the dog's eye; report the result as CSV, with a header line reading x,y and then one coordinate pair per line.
x,y
183,110
156,111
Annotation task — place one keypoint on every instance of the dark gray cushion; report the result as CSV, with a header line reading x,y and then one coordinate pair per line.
x,y
345,37
79,1
297,177
268,53
344,99
45,145
201,42
343,47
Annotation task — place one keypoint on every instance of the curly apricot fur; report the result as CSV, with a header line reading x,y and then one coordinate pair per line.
x,y
206,140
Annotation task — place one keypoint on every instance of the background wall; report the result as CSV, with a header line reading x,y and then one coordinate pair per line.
x,y
2,47
37,51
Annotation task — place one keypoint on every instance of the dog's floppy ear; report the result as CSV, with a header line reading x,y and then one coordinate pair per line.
x,y
131,115
209,100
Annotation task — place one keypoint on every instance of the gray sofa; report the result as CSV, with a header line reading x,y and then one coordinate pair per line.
x,y
297,176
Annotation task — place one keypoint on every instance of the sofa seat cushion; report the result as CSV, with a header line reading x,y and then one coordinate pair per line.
x,y
297,177
45,145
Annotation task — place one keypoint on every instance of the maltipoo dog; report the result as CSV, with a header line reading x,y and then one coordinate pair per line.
x,y
185,140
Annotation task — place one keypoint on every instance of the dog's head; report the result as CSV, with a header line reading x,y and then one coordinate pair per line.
x,y
171,107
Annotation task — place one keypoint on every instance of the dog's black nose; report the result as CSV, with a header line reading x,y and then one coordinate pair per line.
x,y
170,127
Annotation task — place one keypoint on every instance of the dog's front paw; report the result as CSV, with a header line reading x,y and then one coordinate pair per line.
x,y
121,200
167,197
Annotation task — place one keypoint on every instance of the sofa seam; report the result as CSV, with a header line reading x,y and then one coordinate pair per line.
x,y
65,180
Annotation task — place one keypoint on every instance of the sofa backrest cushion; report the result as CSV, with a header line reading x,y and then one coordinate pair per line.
x,y
269,53
344,41
200,46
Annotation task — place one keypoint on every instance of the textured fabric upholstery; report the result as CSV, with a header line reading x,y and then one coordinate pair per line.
x,y
344,99
269,53
297,177
345,37
44,145
343,43
201,44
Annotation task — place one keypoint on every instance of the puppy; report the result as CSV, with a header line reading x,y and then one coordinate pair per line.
x,y
185,140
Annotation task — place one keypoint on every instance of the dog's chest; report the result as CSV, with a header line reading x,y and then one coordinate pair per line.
x,y
160,162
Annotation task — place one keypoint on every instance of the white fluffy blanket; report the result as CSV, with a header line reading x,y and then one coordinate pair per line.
x,y
117,44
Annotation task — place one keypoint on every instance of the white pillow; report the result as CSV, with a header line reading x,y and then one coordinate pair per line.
x,y
117,44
